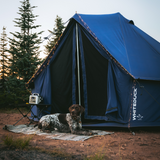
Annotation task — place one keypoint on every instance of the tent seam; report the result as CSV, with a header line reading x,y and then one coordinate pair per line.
x,y
131,106
124,44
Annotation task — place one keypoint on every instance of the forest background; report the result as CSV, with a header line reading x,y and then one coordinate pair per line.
x,y
19,55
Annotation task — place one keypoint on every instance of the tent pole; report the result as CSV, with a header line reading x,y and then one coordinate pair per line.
x,y
78,66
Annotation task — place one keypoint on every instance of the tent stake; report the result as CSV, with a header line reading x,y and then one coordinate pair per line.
x,y
78,67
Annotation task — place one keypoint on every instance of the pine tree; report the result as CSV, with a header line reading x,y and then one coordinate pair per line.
x,y
24,47
24,52
57,31
3,60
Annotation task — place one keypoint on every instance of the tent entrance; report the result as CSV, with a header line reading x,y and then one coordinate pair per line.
x,y
94,79
61,76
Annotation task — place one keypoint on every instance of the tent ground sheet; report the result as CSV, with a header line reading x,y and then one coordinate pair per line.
x,y
54,134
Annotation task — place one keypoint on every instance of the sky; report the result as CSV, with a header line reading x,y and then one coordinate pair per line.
x,y
144,13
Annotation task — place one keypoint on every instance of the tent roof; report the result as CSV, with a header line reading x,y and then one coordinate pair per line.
x,y
136,51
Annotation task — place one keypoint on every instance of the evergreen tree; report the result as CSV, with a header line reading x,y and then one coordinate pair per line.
x,y
3,60
24,51
24,47
57,31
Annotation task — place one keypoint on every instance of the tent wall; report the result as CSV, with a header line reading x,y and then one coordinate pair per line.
x,y
145,106
119,94
42,86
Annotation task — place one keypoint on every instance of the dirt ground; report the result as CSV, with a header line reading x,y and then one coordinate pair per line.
x,y
144,145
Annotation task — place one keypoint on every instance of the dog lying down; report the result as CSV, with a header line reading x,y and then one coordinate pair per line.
x,y
70,122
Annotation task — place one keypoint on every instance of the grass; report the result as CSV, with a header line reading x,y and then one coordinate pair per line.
x,y
96,157
99,155
21,143
54,152
17,143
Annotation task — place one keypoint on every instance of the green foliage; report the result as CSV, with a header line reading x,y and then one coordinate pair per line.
x,y
24,47
24,57
19,143
57,32
3,99
15,93
4,66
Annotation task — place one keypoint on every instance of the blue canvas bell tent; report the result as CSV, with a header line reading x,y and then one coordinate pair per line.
x,y
108,65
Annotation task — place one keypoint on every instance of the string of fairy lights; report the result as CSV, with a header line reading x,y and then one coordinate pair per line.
x,y
48,58
94,36
46,61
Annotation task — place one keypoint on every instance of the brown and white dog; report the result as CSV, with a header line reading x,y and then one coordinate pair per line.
x,y
70,122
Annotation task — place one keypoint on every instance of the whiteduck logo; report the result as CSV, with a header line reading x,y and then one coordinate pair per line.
x,y
134,103
140,117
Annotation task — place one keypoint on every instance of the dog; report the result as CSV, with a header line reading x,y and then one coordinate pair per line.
x,y
69,122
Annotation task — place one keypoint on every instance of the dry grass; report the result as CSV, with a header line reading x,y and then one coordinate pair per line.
x,y
98,155
54,152
23,143
17,143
